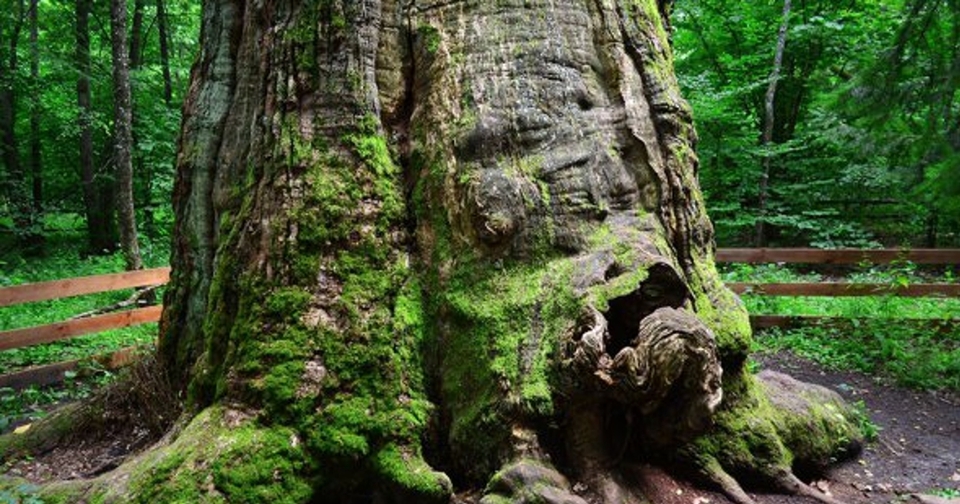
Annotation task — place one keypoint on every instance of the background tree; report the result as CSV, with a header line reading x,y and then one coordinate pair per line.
x,y
852,161
461,238
123,135
36,149
15,182
98,183
65,111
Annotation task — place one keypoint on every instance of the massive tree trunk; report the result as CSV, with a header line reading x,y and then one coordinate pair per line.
x,y
451,245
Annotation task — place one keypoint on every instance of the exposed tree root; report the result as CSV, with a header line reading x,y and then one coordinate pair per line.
x,y
791,484
727,484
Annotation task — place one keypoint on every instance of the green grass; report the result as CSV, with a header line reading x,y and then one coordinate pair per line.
x,y
910,357
875,341
32,403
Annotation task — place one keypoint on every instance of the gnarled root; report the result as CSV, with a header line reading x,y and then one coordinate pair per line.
x,y
528,481
791,484
660,378
774,423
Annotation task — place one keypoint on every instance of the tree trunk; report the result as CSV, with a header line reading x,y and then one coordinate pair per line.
x,y
136,35
123,136
15,185
768,125
36,161
97,198
164,52
457,237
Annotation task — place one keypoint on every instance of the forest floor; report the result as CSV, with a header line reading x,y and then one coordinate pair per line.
x,y
917,452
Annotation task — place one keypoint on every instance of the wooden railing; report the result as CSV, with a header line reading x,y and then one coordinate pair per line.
x,y
15,338
43,291
842,289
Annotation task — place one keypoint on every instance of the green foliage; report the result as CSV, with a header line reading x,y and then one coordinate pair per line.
x,y
33,403
878,340
870,430
866,141
53,97
913,357
947,493
19,493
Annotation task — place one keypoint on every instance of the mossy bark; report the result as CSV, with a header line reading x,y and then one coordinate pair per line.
x,y
466,237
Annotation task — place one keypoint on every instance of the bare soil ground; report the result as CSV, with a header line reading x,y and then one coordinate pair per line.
x,y
918,450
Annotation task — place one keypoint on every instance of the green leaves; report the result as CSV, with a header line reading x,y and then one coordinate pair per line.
x,y
867,137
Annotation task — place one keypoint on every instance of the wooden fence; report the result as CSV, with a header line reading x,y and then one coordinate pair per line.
x,y
43,291
42,375
842,289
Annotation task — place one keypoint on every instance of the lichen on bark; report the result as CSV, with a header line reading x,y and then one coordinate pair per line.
x,y
466,237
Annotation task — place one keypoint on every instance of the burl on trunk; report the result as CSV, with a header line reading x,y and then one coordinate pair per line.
x,y
425,247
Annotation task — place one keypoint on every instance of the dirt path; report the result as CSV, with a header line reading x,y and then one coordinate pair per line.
x,y
918,450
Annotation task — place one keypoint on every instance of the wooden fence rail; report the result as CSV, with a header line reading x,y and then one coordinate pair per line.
x,y
15,338
837,256
844,289
69,287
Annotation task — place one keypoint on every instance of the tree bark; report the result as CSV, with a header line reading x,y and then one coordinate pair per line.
x,y
766,139
97,198
164,37
36,161
123,136
436,246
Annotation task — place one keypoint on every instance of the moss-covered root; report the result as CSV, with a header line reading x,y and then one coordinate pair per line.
x,y
40,436
529,481
226,455
793,485
784,481
772,425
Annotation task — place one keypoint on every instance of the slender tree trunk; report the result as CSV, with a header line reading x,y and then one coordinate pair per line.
x,y
164,37
15,184
86,132
766,139
123,136
100,227
140,169
36,142
136,35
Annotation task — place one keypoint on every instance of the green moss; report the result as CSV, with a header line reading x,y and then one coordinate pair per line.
x,y
722,312
262,465
429,38
412,475
505,325
744,439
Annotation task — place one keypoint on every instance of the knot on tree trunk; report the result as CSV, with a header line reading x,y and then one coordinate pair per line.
x,y
666,370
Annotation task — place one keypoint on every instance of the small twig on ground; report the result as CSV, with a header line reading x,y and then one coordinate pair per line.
x,y
142,297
